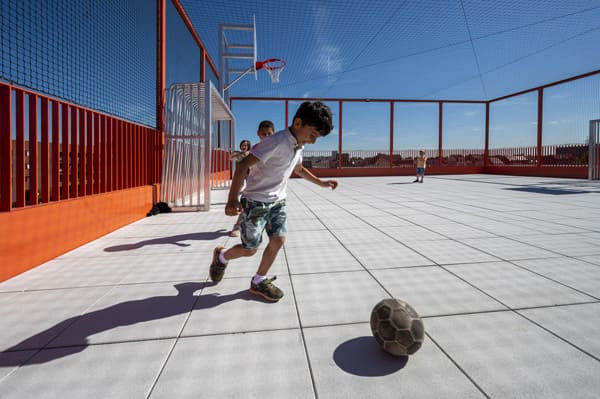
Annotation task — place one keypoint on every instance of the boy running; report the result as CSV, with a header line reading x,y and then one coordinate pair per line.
x,y
262,206
265,129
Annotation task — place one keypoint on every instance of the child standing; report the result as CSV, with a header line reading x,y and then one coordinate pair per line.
x,y
262,206
265,129
243,152
421,165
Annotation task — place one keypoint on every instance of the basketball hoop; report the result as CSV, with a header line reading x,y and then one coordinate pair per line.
x,y
273,66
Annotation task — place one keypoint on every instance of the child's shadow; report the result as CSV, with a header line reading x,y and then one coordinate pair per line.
x,y
76,330
174,240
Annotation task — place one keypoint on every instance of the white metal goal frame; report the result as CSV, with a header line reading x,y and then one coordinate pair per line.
x,y
191,109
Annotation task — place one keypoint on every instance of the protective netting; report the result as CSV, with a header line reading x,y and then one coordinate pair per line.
x,y
99,54
467,49
183,54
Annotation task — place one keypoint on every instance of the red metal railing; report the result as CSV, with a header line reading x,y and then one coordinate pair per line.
x,y
399,159
513,156
463,157
564,160
51,150
564,155
221,168
567,155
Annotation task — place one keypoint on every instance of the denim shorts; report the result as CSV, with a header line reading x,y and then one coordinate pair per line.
x,y
260,216
420,171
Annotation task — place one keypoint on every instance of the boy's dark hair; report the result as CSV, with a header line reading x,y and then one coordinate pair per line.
x,y
245,141
266,124
316,114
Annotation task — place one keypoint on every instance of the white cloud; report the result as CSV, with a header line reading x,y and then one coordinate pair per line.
x,y
561,95
329,59
350,132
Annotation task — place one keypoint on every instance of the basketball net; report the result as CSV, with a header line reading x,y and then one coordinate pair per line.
x,y
274,74
273,66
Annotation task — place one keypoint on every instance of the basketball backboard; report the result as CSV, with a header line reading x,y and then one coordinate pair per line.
x,y
238,55
237,52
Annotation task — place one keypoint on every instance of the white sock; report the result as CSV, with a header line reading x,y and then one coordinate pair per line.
x,y
257,279
222,258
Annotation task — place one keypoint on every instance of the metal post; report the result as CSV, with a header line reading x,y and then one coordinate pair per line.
x,y
207,144
6,147
539,126
440,119
340,137
486,151
391,134
594,151
161,52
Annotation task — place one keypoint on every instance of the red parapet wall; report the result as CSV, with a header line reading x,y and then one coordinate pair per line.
x,y
363,172
572,172
86,175
35,235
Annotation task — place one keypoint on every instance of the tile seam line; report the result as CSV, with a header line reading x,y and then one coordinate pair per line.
x,y
439,265
304,344
511,310
477,288
175,340
466,244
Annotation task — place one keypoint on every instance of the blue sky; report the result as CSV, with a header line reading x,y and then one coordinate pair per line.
x,y
426,49
456,49
567,109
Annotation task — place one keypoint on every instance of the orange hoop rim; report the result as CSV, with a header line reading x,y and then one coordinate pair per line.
x,y
265,64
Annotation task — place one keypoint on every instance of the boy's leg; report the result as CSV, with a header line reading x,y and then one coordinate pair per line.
x,y
221,258
269,255
260,285
235,230
253,222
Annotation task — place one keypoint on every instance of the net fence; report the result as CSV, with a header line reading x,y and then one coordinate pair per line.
x,y
99,54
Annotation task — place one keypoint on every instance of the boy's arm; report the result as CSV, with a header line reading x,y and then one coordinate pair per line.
x,y
233,206
235,155
305,174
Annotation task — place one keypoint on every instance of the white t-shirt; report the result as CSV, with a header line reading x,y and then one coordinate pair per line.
x,y
278,155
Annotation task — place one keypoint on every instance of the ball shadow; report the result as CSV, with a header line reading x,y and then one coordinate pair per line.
x,y
364,357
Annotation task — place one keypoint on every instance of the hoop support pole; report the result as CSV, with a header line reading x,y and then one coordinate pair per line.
x,y
247,71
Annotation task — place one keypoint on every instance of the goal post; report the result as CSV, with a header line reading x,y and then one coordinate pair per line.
x,y
190,112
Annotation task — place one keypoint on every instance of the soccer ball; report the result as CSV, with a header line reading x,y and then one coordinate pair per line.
x,y
397,327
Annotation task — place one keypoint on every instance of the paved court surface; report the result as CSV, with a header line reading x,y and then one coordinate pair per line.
x,y
504,270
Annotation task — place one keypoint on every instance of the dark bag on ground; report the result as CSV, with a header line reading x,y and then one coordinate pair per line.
x,y
159,207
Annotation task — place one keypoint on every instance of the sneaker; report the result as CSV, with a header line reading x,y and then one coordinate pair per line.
x,y
416,181
421,181
266,289
217,269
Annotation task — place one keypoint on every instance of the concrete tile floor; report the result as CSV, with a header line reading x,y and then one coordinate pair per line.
x,y
504,270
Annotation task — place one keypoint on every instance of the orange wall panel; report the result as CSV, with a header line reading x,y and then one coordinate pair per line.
x,y
31,236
